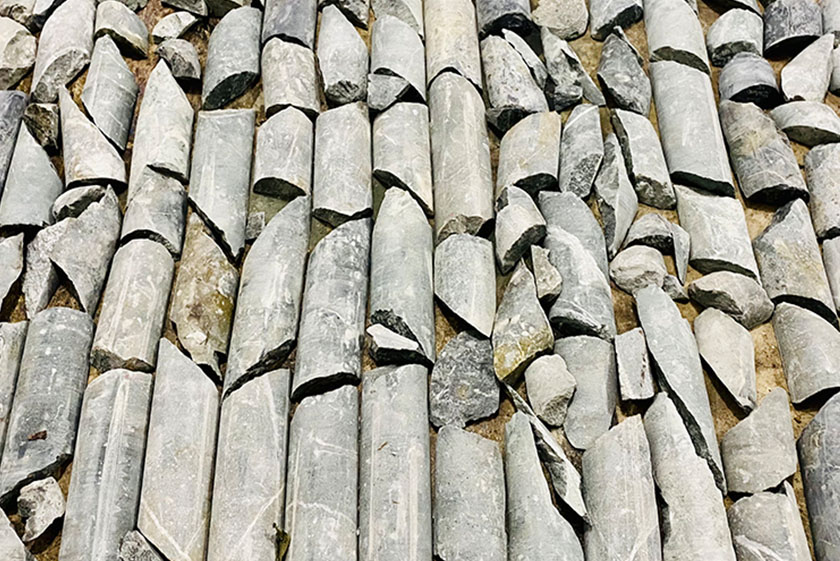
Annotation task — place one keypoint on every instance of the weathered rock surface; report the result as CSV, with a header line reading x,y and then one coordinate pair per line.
x,y
17,52
64,48
636,267
749,78
289,78
158,211
550,388
332,324
605,15
465,281
12,336
396,51
567,211
563,64
463,386
519,225
451,41
768,524
469,521
616,198
11,548
822,171
197,7
173,26
622,76
293,21
342,58
108,466
11,264
581,150
496,15
652,230
40,279
283,155
174,508
737,295
42,121
233,58
565,18
40,503
409,11
635,378
735,31
674,34
529,154
808,122
807,75
546,276
831,18
726,349
789,26
12,109
182,59
135,547
644,159
116,20
44,417
74,202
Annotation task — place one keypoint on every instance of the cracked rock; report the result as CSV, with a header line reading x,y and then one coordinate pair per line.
x,y
546,276
182,59
652,230
566,211
622,76
605,15
736,294
11,264
32,185
293,21
342,58
173,26
749,78
118,21
40,279
735,31
396,51
635,378
11,547
283,156
726,349
197,7
519,225
550,388
451,41
808,122
496,15
789,26
74,202
233,59
358,11
565,18
616,198
822,172
674,34
42,121
563,64
110,91
807,75
289,78
17,53
644,159
465,280
768,524
64,48
529,154
581,150
40,503
158,211
636,267
409,11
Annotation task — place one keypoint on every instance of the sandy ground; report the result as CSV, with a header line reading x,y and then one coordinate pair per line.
x,y
768,365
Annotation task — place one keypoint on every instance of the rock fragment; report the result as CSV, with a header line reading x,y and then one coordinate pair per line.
x,y
550,388
40,503
807,75
342,58
42,121
17,52
74,202
768,524
45,413
396,51
182,59
749,78
409,11
636,267
735,31
581,150
652,230
197,7
497,15
644,160
11,548
110,90
808,122
40,279
565,18
329,350
674,34
737,295
451,41
133,307
831,258
563,64
726,348
764,162
11,264
621,75
519,225
463,385
789,26
283,156
469,507
831,18
290,21
822,172
546,276
635,378
118,21
789,259
173,26
567,211
606,15
265,323
64,48
12,337
802,335
157,211
233,58
616,198
529,154
289,78
465,281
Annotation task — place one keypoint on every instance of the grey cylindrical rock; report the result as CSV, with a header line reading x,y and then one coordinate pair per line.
x,y
290,21
496,15
173,26
519,225
769,524
64,48
831,258
233,57
12,109
822,171
12,337
735,31
749,78
581,150
808,122
644,159
410,11
289,78
616,198
807,75
108,466
622,75
117,20
157,211
342,58
571,213
452,40
396,51
605,16
283,156
529,154
674,34
790,25
18,47
635,378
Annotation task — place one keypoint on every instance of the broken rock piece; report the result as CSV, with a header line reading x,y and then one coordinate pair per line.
x,y
173,26
736,294
621,74
735,31
410,11
74,202
822,171
808,122
807,75
749,78
12,337
451,40
550,388
110,90
342,58
290,21
636,267
17,52
283,156
605,16
40,503
644,159
789,26
12,110
233,58
11,264
11,547
674,34
529,154
519,225
496,15
546,276
769,523
465,281
831,258
561,58
635,378
289,78
581,150
616,198
158,211
572,214
115,19
182,59
197,7
565,18
396,51
64,48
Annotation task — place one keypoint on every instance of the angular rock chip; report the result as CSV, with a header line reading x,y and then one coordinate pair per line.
x,y
174,507
64,48
268,306
358,11
332,323
108,466
463,386
293,21
790,25
158,211
535,64
221,169
563,87
88,155
581,150
616,198
529,154
737,295
621,75
644,159
451,41
463,179
203,298
45,413
803,336
535,526
624,519
560,55
496,15
808,122
341,183
118,21
469,521
726,348
735,31
135,547
283,156
546,276
133,307
679,372
11,264
519,225
401,152
250,472
40,280
17,52
818,445
521,330
689,126
12,110
652,230
289,78
567,211
163,133
396,51
592,363
636,267
694,525
342,59
768,524
74,202
831,258
511,89
110,90
389,347
12,336
635,379
173,26
182,59
806,76
674,34
749,78
550,388
718,230
605,15
789,260
401,291
565,18
759,452
197,7
233,58
822,171
465,280
764,162
395,502
323,477
409,11
32,185
11,548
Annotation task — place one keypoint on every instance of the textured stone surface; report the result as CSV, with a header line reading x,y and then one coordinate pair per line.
x,y
233,58
323,475
726,349
395,502
749,78
469,521
250,473
560,55
135,547
635,378
636,267
546,276
74,202
616,198
283,155
42,121
622,76
45,413
11,548
465,280
157,211
17,52
463,386
409,11
293,21
567,211
173,26
550,388
12,110
808,122
177,474
264,328
451,41
644,159
802,336
107,469
197,7
652,230
11,264
605,15
133,307
737,295
581,150
822,171
332,322
831,18
40,280
674,34
12,336
289,78
342,58
40,503
768,525
396,51
64,48
565,18
735,31
110,90
529,154
118,21
182,59
680,372
807,75
495,15
519,225
790,25
831,259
